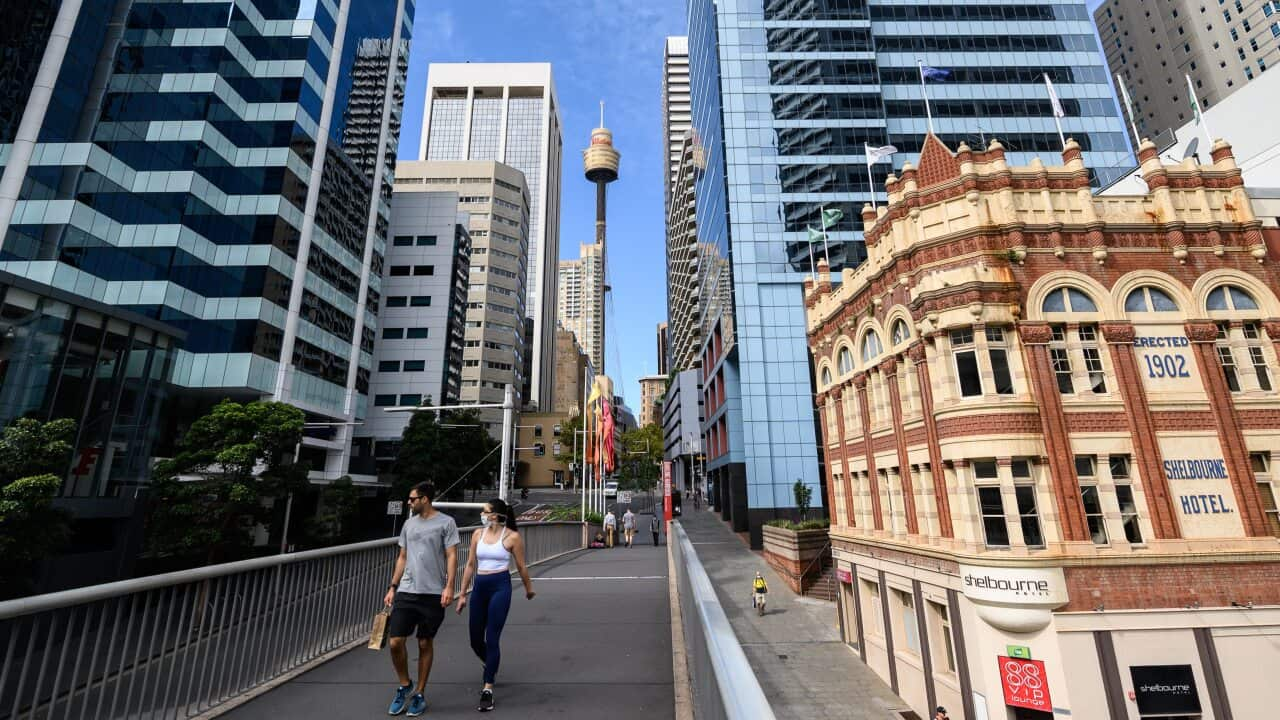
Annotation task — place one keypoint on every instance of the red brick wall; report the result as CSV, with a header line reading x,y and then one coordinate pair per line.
x,y
1146,587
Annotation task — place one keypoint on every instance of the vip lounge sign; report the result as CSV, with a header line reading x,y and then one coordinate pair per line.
x,y
1165,689
1025,684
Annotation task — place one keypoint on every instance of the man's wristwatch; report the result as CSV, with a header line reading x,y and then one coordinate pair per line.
x,y
392,586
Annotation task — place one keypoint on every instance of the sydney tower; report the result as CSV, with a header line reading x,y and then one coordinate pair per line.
x,y
600,161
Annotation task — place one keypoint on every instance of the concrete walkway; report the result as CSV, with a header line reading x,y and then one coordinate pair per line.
x,y
594,643
805,669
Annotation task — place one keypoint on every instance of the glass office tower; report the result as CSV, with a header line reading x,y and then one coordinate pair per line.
x,y
220,168
785,94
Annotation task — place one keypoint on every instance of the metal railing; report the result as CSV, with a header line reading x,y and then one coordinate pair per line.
x,y
722,681
180,644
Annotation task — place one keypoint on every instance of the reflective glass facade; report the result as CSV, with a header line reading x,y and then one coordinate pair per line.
x,y
785,94
223,168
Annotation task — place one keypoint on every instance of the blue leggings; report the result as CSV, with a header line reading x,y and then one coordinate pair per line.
x,y
490,602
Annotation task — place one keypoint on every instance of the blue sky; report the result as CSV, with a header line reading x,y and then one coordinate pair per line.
x,y
607,50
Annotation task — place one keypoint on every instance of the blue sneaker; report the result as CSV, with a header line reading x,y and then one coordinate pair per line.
x,y
417,705
402,698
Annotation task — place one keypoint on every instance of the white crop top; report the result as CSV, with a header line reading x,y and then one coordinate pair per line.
x,y
493,557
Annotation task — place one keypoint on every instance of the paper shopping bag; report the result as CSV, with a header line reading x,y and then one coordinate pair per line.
x,y
378,635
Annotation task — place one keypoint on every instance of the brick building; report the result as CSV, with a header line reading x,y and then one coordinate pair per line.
x,y
1050,420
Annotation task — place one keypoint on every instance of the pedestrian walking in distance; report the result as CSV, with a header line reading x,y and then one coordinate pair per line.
x,y
492,550
940,714
610,528
629,526
759,590
420,590
653,528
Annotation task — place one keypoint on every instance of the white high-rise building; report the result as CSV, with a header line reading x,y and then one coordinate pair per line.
x,y
676,119
580,304
508,112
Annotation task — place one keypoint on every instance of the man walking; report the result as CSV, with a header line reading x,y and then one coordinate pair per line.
x,y
629,526
610,527
421,588
653,528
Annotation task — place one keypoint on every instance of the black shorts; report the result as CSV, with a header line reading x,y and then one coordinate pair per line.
x,y
411,610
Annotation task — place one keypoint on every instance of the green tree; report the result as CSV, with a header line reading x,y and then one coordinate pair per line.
x,y
455,453
804,495
208,499
34,457
571,450
333,524
641,455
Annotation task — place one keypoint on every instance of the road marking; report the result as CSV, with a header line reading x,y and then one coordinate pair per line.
x,y
609,577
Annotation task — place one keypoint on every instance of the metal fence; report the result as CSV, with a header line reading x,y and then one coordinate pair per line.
x,y
180,644
723,684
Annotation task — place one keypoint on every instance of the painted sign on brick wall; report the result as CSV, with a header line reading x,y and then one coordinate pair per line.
x,y
1200,483
1165,360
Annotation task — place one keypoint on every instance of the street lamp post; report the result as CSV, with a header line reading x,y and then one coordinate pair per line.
x,y
508,406
288,503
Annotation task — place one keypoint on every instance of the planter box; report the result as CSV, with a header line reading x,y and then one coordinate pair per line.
x,y
794,554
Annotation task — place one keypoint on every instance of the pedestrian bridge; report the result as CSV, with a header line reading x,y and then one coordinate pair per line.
x,y
284,637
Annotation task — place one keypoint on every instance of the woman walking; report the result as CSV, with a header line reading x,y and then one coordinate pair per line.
x,y
489,563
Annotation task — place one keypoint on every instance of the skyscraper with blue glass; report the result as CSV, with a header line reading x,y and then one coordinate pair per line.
x,y
786,95
218,172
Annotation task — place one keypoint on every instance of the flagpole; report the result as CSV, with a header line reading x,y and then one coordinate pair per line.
x,y
871,183
924,90
822,219
1199,115
1055,107
813,268
1128,105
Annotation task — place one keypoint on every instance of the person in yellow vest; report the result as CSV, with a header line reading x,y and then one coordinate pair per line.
x,y
759,588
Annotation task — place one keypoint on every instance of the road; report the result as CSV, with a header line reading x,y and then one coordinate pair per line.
x,y
594,643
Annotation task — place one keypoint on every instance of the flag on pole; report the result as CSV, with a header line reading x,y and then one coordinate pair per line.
x,y
876,154
928,72
1195,112
1053,98
932,73
814,235
831,217
1058,112
1128,105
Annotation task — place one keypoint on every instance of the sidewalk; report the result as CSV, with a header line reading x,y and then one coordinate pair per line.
x,y
594,643
795,649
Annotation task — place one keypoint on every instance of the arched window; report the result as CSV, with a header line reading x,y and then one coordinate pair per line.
x,y
844,361
826,377
1067,299
1230,297
1149,299
901,333
871,346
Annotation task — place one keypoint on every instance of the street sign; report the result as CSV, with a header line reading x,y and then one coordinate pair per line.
x,y
1025,684
395,507
624,497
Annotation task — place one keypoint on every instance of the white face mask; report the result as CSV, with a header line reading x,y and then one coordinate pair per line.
x,y
485,521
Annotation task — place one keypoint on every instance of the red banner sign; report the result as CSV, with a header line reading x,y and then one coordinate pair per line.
x,y
844,576
1025,684
666,490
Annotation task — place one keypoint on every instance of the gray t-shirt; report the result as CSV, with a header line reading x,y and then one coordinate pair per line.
x,y
425,540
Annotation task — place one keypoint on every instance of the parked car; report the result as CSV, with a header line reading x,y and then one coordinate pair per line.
x,y
611,489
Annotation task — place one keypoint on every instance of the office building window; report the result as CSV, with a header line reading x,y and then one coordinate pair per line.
x,y
991,507
384,400
998,354
1087,474
389,366
1125,498
1024,491
411,399
944,652
965,353
415,365
402,240
1261,463
907,615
